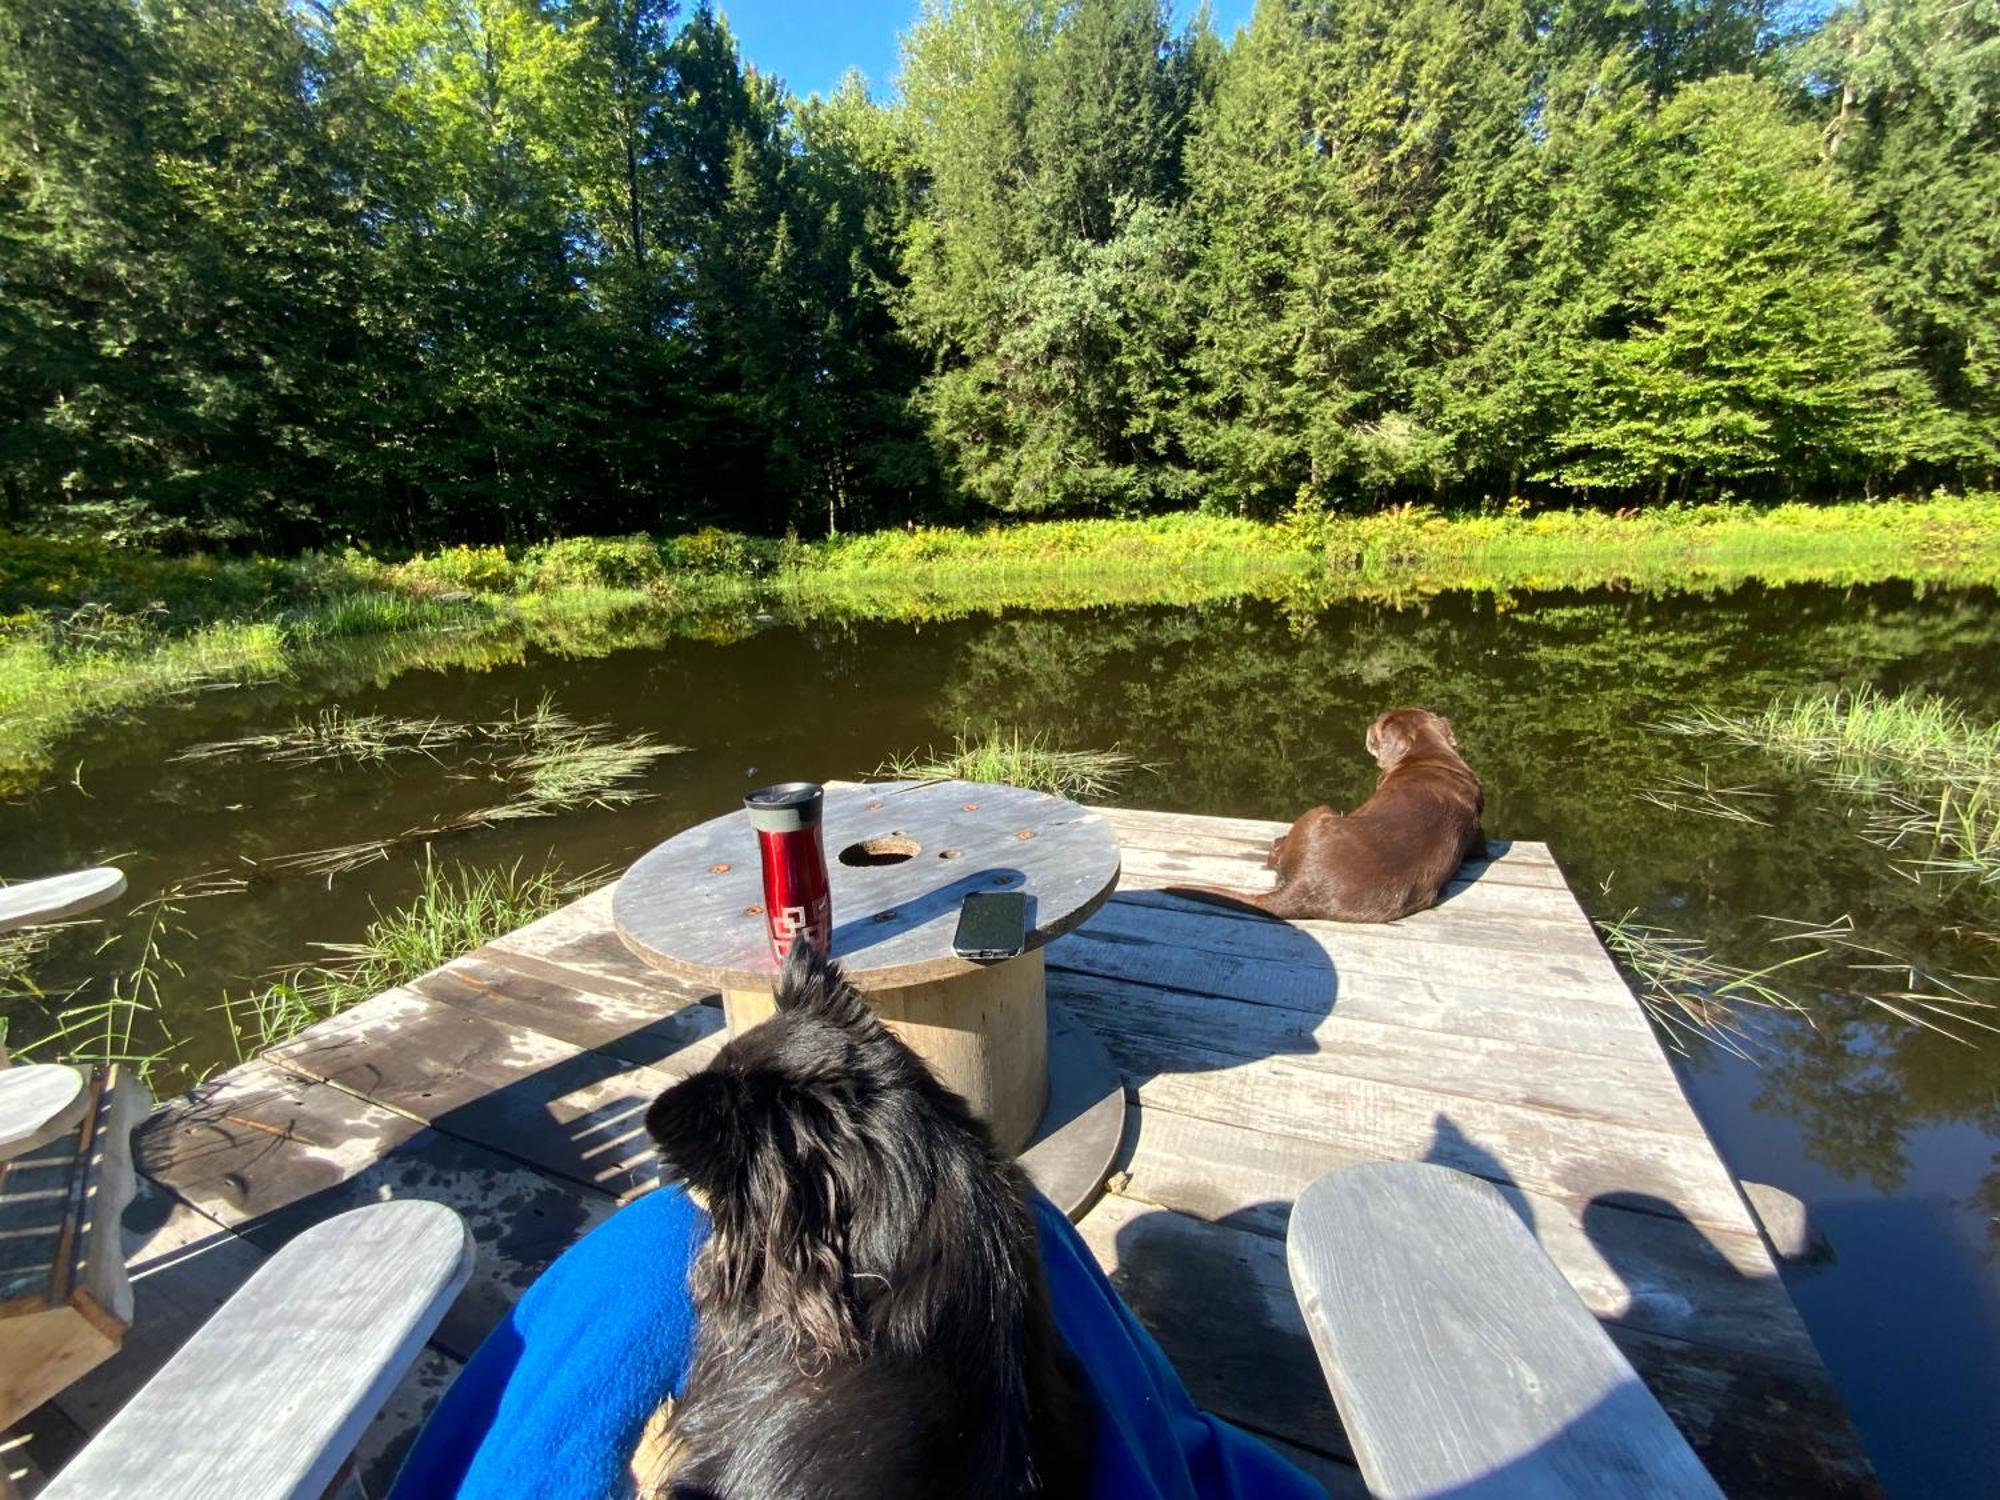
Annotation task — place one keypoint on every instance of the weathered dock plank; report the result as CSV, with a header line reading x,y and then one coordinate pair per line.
x,y
1491,1034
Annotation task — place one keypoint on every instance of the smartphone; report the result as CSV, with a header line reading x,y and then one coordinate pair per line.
x,y
992,924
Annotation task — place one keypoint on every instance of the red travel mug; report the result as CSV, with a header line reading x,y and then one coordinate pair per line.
x,y
797,901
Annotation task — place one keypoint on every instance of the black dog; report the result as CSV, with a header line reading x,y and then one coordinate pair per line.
x,y
873,1316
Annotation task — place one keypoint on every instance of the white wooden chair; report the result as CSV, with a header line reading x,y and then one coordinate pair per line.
x,y
28,903
269,1398
1461,1360
65,1174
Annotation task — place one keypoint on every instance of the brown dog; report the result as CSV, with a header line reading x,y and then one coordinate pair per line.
x,y
1393,854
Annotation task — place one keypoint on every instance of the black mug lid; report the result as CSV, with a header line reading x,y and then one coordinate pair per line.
x,y
786,807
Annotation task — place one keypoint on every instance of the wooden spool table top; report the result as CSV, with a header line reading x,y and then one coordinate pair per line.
x,y
693,907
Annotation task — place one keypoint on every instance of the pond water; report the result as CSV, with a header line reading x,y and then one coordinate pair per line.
x,y
1890,1132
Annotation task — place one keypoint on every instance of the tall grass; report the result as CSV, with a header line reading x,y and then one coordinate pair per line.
x,y
1928,772
568,765
1688,992
127,1023
1402,553
99,630
1904,734
337,735
1015,759
453,912
548,762
1691,994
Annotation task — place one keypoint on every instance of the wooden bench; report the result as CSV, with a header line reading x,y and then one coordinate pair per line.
x,y
65,1302
1461,1360
268,1399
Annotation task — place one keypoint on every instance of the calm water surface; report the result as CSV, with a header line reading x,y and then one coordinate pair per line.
x,y
1891,1133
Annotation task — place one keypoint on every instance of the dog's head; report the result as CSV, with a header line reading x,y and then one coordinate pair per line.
x,y
1401,730
790,1141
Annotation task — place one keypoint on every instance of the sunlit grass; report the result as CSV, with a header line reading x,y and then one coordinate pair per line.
x,y
1902,735
567,765
548,763
1015,759
192,623
337,735
1688,992
453,912
48,691
1927,771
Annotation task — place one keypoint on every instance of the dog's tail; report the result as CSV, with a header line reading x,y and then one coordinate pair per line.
x,y
1216,895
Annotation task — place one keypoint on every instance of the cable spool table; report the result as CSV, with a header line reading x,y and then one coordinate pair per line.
x,y
901,858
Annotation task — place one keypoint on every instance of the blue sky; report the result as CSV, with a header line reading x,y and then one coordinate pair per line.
x,y
811,43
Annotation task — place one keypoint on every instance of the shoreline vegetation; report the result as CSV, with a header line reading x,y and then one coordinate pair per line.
x,y
1922,776
88,630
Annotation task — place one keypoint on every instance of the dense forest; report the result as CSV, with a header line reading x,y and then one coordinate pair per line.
x,y
278,273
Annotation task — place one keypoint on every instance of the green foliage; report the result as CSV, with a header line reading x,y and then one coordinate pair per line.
x,y
713,550
623,562
1047,263
1733,334
1012,758
1911,92
422,273
453,912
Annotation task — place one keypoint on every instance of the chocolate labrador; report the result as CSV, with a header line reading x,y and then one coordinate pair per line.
x,y
1393,854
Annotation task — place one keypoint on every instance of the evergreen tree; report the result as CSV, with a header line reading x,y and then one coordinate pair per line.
x,y
179,307
1352,178
424,270
1046,267
1733,336
1913,89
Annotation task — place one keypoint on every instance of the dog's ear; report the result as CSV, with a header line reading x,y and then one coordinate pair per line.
x,y
814,985
1389,739
760,1158
706,1127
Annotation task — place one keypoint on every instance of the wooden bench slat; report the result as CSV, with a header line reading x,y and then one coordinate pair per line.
x,y
1563,1155
575,1112
1643,1271
1220,1302
28,903
1460,1359
269,1154
1628,1090
1303,995
1471,894
270,1397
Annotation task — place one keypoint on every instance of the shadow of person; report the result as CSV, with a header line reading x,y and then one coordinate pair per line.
x,y
1710,1327
1148,970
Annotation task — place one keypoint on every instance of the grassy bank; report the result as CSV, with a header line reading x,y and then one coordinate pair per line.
x,y
88,630
1405,553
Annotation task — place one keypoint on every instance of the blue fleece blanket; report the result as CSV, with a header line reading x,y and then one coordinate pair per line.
x,y
552,1404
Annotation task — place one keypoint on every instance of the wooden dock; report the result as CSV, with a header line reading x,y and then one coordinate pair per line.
x,y
1491,1034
